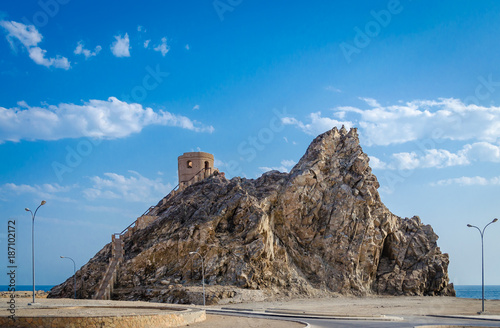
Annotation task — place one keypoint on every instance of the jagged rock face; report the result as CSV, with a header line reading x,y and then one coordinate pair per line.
x,y
322,226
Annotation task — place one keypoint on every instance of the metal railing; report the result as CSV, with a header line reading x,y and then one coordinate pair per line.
x,y
174,189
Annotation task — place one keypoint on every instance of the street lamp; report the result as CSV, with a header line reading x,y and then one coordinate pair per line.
x,y
74,271
202,273
482,257
33,245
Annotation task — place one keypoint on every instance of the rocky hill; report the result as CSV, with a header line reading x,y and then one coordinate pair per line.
x,y
319,229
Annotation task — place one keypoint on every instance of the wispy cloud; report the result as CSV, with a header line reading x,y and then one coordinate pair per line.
x,y
121,46
440,158
80,50
469,181
445,118
162,47
29,37
96,118
45,191
318,124
286,166
377,164
135,188
332,89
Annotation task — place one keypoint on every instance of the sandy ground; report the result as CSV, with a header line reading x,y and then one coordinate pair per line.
x,y
380,305
340,306
220,321
69,307
352,306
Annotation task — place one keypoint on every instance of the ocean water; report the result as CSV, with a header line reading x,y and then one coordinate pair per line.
x,y
45,288
474,291
464,291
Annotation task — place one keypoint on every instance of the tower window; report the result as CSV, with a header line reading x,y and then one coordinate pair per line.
x,y
207,165
189,164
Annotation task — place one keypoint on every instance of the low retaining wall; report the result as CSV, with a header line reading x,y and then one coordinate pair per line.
x,y
128,317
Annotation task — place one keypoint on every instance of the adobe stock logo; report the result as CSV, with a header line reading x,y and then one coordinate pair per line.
x,y
223,6
253,145
74,157
151,80
49,9
372,29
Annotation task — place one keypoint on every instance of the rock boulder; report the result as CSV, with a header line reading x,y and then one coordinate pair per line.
x,y
321,227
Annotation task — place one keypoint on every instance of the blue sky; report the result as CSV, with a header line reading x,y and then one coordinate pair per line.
x,y
98,100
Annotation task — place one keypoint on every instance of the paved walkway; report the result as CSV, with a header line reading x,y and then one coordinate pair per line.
x,y
376,307
350,308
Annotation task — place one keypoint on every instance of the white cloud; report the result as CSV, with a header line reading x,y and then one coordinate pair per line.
x,y
441,119
96,118
162,47
440,158
318,123
121,47
187,47
196,107
445,119
38,56
371,102
29,37
218,163
376,163
45,191
482,151
146,43
333,89
141,28
437,158
135,188
286,165
86,52
469,181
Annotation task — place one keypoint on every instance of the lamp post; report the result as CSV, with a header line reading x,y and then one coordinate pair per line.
x,y
202,273
74,272
482,258
33,215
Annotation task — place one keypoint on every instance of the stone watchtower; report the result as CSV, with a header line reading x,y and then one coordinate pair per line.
x,y
194,167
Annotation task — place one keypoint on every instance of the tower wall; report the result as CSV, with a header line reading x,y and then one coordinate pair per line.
x,y
190,164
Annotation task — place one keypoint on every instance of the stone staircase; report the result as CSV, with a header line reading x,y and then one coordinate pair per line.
x,y
106,286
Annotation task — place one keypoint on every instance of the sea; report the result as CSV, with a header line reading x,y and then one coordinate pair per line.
x,y
491,292
45,288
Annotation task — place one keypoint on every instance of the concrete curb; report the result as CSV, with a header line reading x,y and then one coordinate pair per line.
x,y
471,317
320,314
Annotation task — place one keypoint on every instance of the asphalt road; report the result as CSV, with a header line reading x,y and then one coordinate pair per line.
x,y
409,321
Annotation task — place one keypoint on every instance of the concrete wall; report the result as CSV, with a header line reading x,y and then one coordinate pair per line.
x,y
170,319
143,221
